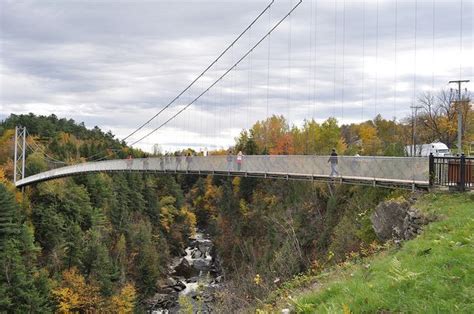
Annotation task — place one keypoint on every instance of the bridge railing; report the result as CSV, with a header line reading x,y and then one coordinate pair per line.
x,y
454,172
364,168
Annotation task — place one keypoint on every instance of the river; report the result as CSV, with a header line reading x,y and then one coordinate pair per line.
x,y
192,281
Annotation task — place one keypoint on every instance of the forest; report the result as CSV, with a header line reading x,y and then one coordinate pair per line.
x,y
103,241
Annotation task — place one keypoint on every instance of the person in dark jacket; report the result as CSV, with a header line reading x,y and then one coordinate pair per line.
x,y
333,160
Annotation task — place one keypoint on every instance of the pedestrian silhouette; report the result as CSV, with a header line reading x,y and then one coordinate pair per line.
x,y
333,160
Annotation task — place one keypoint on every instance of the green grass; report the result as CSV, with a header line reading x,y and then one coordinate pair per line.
x,y
433,273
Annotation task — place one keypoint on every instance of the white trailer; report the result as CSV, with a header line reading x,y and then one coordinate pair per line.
x,y
424,150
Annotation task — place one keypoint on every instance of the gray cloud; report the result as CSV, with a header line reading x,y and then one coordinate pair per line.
x,y
116,63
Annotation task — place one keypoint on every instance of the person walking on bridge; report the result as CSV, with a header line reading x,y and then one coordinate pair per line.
x,y
333,160
189,159
240,157
229,159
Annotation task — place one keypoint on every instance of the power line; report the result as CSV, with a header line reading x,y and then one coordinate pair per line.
x,y
202,73
222,76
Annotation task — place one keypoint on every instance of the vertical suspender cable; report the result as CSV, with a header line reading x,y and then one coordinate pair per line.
x,y
249,101
288,95
415,53
376,58
335,59
433,63
343,57
310,54
315,56
395,70
460,40
268,82
231,96
363,60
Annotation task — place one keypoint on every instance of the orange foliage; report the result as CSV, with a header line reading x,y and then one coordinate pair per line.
x,y
283,145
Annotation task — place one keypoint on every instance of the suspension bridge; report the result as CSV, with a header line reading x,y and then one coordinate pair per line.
x,y
405,172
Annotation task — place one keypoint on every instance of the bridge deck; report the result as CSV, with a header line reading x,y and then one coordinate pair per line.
x,y
409,172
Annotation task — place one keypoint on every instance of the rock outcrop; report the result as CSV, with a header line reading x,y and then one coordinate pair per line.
x,y
398,220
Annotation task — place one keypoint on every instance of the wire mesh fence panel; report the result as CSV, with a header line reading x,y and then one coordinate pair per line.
x,y
368,168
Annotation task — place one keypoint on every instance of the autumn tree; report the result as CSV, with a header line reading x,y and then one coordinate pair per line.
x,y
74,294
438,119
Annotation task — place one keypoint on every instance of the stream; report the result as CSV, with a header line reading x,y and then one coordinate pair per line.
x,y
192,281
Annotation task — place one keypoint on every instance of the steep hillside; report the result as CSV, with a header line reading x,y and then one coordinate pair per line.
x,y
433,273
85,243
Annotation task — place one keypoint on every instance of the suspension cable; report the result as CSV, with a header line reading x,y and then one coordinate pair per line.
x,y
202,73
43,151
222,76
268,83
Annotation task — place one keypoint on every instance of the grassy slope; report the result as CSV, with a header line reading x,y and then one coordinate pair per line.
x,y
433,273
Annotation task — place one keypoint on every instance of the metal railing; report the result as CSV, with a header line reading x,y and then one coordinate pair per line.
x,y
402,171
454,172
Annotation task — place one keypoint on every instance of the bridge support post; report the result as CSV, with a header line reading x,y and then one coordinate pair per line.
x,y
462,175
431,171
20,154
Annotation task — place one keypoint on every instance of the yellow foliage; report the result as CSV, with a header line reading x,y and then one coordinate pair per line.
x,y
167,212
165,218
189,218
68,300
2,176
74,294
124,302
257,280
244,208
236,185
346,309
370,141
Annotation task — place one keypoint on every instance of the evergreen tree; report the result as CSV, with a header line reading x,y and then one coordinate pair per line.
x,y
22,287
8,225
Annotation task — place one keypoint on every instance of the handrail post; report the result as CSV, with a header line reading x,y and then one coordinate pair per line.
x,y
431,171
462,175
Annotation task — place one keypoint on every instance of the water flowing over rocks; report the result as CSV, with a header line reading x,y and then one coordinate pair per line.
x,y
195,276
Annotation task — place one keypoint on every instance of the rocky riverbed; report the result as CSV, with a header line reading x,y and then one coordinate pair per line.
x,y
193,279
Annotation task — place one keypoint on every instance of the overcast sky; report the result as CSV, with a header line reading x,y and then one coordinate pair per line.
x,y
115,64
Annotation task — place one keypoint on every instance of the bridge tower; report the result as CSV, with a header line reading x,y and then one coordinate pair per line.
x,y
20,153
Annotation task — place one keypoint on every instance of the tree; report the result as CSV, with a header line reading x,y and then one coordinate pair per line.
x,y
73,294
97,262
146,261
22,287
438,121
124,302
8,216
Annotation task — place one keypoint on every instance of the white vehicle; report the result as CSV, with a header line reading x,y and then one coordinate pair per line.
x,y
438,149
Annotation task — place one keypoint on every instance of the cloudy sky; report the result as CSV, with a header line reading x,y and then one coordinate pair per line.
x,y
115,64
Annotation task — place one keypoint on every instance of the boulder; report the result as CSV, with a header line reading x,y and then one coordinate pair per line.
x,y
180,286
170,281
192,280
196,254
184,269
218,279
388,219
202,264
163,301
395,219
204,245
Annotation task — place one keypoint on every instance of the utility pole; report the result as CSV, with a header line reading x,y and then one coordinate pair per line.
x,y
459,82
415,108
